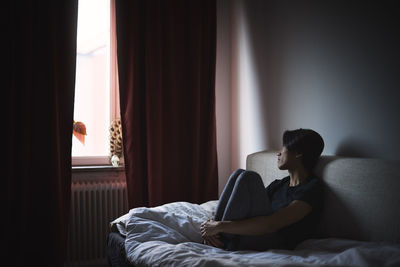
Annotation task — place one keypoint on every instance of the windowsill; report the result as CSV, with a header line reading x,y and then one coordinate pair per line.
x,y
95,163
97,168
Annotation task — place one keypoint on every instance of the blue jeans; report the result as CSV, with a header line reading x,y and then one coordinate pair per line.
x,y
245,196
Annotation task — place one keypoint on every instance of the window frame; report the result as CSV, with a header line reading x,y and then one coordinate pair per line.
x,y
114,96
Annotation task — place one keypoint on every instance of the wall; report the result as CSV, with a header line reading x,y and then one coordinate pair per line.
x,y
333,66
223,90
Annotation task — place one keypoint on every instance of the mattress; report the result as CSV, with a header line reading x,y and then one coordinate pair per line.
x,y
116,251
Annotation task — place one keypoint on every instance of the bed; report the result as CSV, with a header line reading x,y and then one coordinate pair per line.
x,y
359,226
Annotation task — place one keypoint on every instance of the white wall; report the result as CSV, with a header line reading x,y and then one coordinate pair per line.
x,y
331,66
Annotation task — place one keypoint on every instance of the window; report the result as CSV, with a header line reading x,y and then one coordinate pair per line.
x,y
96,88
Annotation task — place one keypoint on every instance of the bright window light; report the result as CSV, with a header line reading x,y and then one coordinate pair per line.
x,y
92,87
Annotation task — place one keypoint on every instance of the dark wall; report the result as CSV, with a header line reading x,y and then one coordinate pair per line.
x,y
333,66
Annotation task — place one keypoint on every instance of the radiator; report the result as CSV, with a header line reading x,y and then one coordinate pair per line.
x,y
94,204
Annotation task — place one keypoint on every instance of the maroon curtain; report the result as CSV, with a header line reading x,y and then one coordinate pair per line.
x,y
166,62
40,57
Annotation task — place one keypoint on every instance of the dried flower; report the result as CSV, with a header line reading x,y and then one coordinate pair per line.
x,y
79,131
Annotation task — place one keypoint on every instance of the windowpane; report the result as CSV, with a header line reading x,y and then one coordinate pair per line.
x,y
92,88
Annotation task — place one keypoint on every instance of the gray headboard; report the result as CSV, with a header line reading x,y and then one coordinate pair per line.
x,y
361,196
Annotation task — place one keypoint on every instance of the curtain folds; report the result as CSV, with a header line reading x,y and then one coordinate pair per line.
x,y
40,82
166,61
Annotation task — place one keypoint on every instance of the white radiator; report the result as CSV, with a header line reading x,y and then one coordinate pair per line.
x,y
94,204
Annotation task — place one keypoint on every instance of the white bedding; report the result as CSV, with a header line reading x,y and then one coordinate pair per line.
x,y
169,235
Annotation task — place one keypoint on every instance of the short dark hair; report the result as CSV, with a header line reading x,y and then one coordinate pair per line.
x,y
307,142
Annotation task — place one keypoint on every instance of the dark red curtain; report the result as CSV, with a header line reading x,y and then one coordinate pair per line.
x,y
39,63
166,62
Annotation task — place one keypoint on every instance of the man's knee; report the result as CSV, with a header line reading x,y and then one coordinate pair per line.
x,y
237,172
249,177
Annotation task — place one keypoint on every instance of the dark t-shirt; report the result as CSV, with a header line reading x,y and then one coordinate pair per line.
x,y
281,195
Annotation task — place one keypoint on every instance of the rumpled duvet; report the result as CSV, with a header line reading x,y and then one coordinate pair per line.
x,y
169,235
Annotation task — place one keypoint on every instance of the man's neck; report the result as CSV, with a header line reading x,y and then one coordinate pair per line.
x,y
297,176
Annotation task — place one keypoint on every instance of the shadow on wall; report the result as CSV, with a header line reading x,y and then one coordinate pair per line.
x,y
354,147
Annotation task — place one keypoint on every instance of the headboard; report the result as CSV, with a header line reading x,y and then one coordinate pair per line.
x,y
361,196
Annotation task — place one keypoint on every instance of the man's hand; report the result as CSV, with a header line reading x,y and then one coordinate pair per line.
x,y
213,241
210,228
209,232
